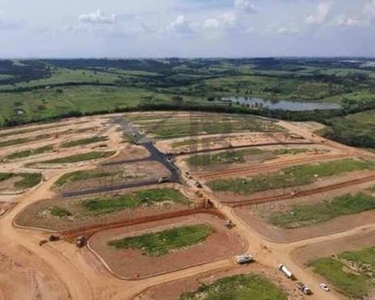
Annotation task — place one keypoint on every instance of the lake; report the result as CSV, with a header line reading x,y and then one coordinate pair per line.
x,y
283,104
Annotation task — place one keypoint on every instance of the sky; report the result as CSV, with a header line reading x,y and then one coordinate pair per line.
x,y
186,28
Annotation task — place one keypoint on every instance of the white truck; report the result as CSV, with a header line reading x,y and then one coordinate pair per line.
x,y
244,259
285,270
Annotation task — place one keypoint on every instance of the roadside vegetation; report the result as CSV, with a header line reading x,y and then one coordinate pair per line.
x,y
76,158
86,141
163,242
79,176
250,286
133,200
27,180
290,177
352,273
31,152
308,214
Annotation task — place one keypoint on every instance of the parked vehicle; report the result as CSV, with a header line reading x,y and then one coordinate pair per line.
x,y
285,270
244,259
163,179
303,288
324,287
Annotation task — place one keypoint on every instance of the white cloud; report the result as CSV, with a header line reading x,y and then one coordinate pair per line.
x,y
245,6
211,23
344,21
369,12
180,25
223,21
288,29
369,9
97,18
323,9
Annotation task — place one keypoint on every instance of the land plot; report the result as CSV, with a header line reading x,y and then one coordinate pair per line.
x,y
202,236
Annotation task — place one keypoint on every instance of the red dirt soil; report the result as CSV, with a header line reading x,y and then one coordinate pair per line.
x,y
133,265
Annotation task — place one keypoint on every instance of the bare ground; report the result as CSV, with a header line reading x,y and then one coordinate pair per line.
x,y
33,215
251,216
132,264
173,290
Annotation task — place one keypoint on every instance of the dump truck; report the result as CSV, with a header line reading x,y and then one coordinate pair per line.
x,y
303,288
285,270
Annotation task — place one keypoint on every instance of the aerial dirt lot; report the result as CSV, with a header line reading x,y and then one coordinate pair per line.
x,y
37,215
320,185
173,290
118,174
258,156
223,243
60,270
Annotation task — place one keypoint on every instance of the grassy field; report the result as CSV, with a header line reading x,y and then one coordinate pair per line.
x,y
356,130
25,140
59,212
183,126
133,200
28,180
228,157
308,214
290,177
31,152
238,287
76,158
86,141
23,131
163,242
352,273
79,176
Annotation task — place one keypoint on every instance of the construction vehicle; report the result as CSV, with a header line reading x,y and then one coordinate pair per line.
x,y
80,241
285,270
303,288
244,259
198,184
43,242
229,224
53,238
163,179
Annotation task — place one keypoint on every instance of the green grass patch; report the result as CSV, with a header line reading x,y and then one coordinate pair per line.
x,y
86,141
350,272
76,158
79,176
59,212
161,243
31,152
227,157
308,214
133,200
290,177
238,287
23,140
28,180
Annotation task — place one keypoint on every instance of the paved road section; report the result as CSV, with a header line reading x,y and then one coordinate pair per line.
x,y
155,155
